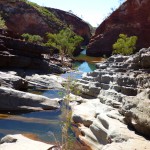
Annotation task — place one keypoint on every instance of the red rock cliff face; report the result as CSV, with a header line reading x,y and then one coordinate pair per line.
x,y
20,17
23,18
79,26
131,18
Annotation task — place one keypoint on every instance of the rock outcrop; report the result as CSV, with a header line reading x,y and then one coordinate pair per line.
x,y
131,18
20,142
14,100
45,81
15,53
13,81
119,115
27,17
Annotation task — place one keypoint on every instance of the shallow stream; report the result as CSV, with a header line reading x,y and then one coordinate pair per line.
x,y
40,125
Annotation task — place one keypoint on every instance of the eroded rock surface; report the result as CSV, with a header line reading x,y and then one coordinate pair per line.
x,y
118,116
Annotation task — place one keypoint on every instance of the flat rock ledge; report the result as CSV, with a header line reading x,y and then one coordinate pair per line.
x,y
14,100
114,110
20,142
48,81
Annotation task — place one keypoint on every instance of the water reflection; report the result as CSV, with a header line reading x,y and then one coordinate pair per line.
x,y
84,66
37,123
80,68
45,122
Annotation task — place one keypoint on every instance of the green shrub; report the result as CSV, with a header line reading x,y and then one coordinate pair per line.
x,y
125,45
32,38
2,23
65,41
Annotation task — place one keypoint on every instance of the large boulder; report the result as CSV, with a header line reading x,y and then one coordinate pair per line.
x,y
137,113
45,81
13,100
131,18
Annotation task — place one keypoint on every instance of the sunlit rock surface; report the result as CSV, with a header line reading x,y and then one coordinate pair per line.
x,y
20,142
117,114
14,100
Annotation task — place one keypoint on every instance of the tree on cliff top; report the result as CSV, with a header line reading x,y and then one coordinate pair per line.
x,y
125,45
65,41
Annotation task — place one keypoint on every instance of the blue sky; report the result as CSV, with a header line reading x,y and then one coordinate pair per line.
x,y
92,11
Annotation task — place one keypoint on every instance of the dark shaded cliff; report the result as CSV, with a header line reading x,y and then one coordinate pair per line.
x,y
18,54
131,18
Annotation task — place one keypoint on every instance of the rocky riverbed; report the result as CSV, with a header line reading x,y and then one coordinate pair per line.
x,y
14,100
113,112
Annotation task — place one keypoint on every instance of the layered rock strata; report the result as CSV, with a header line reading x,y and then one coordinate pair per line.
x,y
15,53
14,100
117,114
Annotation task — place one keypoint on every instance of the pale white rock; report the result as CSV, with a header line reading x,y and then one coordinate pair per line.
x,y
119,92
20,142
45,81
14,100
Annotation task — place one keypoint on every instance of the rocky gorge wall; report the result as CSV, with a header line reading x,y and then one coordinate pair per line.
x,y
18,54
27,17
131,18
113,112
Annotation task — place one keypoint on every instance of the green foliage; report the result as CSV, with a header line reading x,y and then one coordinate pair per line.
x,y
32,38
2,23
125,45
65,41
